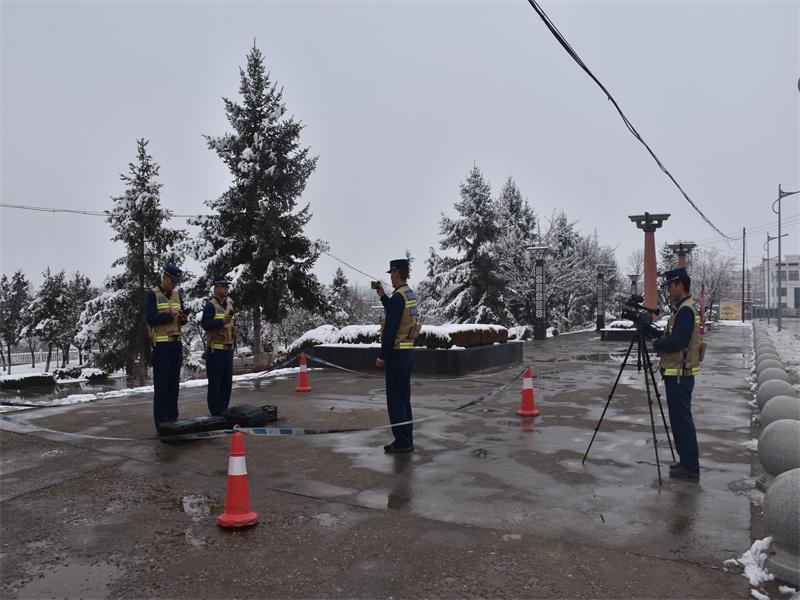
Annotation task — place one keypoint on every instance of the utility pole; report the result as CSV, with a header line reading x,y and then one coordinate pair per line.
x,y
744,245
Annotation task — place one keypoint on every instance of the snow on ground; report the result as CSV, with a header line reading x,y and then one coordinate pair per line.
x,y
735,323
753,561
148,389
787,346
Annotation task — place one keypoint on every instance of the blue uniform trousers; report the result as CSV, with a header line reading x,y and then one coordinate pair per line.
x,y
219,370
167,359
679,403
399,364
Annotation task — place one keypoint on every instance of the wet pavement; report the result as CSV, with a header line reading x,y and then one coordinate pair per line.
x,y
490,504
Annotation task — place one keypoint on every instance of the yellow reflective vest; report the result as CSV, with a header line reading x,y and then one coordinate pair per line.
x,y
170,331
409,323
684,362
224,337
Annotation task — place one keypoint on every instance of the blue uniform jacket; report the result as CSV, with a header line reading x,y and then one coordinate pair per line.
x,y
208,322
680,335
151,312
394,307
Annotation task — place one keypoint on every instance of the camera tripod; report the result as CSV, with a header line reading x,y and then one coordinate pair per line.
x,y
642,360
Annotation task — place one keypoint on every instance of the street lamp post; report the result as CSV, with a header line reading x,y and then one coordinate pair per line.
x,y
540,310
781,196
634,277
601,301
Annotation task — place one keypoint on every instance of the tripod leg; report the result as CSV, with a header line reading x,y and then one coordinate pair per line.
x,y
658,399
611,395
643,348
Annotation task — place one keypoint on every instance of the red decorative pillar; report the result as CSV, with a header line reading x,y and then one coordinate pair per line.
x,y
681,249
649,223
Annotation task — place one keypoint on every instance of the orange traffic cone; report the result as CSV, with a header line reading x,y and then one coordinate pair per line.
x,y
527,406
303,385
237,497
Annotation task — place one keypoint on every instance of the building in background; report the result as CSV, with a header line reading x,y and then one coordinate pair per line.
x,y
789,293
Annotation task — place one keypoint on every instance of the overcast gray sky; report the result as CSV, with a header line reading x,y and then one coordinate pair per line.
x,y
399,100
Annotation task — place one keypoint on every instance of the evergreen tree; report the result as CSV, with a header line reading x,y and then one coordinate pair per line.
x,y
79,292
339,280
471,287
256,233
115,319
45,315
667,259
14,296
517,233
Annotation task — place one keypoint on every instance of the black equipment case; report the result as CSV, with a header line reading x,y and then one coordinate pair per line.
x,y
247,415
193,425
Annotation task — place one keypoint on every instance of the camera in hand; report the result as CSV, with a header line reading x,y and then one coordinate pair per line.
x,y
375,284
637,312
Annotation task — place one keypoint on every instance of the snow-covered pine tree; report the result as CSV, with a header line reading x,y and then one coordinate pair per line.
x,y
79,292
14,296
666,259
471,288
46,314
255,235
115,319
517,226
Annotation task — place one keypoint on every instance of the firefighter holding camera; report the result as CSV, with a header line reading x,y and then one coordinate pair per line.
x,y
400,328
680,351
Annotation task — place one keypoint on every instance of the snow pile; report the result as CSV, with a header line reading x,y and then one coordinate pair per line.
x,y
26,380
520,333
754,561
359,334
465,335
324,334
621,324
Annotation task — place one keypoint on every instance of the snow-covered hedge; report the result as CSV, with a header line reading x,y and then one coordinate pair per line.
x,y
15,382
520,333
465,335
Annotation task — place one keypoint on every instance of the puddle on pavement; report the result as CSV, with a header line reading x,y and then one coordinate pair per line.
x,y
199,509
78,580
196,507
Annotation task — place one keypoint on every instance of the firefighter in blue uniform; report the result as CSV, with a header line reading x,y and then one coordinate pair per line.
x,y
680,351
219,323
400,327
165,315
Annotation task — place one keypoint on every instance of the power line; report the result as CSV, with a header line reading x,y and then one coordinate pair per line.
x,y
790,220
92,213
103,214
565,44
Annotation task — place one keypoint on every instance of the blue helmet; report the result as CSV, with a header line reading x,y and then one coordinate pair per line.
x,y
399,263
174,272
678,274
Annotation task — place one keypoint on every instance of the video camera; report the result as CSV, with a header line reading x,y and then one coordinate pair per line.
x,y
637,312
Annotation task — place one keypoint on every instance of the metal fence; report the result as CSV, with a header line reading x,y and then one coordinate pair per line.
x,y
24,358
